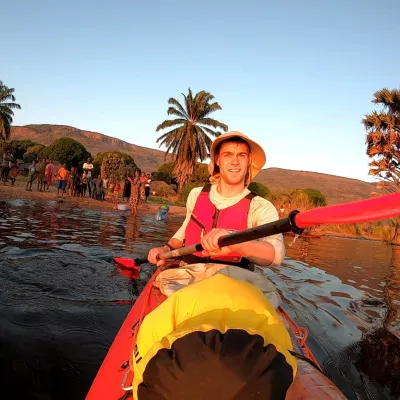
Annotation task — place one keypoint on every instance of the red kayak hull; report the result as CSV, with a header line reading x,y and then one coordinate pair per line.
x,y
310,383
107,383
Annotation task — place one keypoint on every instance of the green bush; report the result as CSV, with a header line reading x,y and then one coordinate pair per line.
x,y
33,153
188,187
164,173
19,147
113,163
317,198
260,189
200,173
66,150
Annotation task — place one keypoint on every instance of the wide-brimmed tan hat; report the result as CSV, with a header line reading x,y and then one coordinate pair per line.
x,y
257,153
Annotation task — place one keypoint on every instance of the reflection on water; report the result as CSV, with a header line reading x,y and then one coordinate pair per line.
x,y
62,301
344,291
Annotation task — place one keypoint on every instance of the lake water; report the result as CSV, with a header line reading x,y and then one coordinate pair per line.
x,y
62,301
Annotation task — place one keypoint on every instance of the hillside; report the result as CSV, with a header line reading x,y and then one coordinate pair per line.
x,y
336,188
147,159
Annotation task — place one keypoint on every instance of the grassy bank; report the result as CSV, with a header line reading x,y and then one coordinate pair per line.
x,y
169,201
378,230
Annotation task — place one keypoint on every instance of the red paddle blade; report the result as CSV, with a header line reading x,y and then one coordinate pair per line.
x,y
358,211
129,273
127,263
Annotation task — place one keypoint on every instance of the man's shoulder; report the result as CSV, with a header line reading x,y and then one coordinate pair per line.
x,y
260,202
194,194
196,190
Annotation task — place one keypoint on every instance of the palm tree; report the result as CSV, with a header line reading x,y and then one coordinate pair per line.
x,y
383,136
7,105
189,139
383,143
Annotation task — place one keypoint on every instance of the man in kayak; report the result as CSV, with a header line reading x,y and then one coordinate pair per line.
x,y
225,206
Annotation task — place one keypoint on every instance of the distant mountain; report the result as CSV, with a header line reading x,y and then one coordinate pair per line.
x,y
336,189
147,159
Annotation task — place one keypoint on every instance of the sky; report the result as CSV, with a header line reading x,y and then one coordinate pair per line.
x,y
298,77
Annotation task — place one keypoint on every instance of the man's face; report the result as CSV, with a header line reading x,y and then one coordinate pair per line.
x,y
233,161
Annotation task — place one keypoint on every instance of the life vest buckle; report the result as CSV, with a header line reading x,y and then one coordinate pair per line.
x,y
125,378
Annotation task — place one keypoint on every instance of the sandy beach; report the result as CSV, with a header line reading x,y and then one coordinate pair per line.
x,y
18,192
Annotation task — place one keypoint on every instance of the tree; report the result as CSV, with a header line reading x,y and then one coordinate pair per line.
x,y
200,173
260,189
19,147
318,199
66,150
189,139
7,105
32,153
292,199
383,142
383,138
114,163
164,173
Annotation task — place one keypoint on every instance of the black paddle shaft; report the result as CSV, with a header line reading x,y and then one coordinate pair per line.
x,y
272,228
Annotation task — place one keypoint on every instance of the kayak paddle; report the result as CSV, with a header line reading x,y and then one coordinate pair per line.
x,y
354,212
129,263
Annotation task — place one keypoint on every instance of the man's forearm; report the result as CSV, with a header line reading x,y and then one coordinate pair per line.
x,y
259,252
175,243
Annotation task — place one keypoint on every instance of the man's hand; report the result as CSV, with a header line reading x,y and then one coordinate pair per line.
x,y
210,243
153,253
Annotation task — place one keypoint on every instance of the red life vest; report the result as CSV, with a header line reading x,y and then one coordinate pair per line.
x,y
205,216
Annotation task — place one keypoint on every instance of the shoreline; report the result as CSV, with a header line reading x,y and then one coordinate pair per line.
x,y
176,213
18,192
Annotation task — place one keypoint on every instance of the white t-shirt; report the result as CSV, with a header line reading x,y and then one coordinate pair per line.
x,y
261,212
88,166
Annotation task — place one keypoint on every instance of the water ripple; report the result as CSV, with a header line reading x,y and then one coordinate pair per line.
x,y
62,300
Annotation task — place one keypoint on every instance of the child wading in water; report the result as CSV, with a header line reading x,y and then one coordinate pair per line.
x,y
117,188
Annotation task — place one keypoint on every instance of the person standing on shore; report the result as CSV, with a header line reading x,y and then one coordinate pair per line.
x,y
106,182
147,189
99,188
62,175
41,172
5,166
84,183
49,174
88,168
14,172
31,176
127,186
143,181
144,188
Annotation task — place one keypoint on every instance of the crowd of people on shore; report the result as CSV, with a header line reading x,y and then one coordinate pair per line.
x,y
135,189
